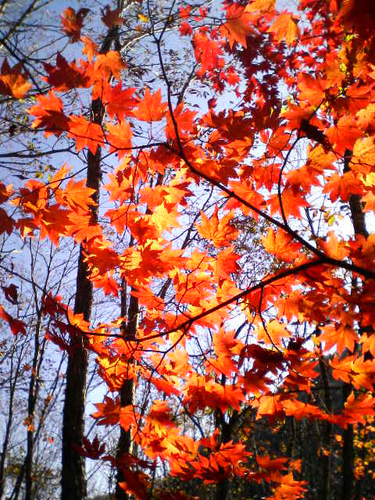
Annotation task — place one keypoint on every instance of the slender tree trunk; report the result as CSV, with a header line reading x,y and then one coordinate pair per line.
x,y
222,487
127,389
8,427
73,482
325,490
32,398
359,225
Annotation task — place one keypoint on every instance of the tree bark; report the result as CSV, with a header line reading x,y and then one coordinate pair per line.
x,y
127,390
359,225
73,482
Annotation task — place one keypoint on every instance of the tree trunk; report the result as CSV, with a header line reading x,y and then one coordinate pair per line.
x,y
359,225
73,468
73,481
127,390
325,490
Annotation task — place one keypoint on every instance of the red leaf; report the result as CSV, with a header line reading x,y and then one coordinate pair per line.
x,y
150,108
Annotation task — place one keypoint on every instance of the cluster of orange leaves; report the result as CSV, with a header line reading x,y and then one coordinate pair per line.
x,y
334,110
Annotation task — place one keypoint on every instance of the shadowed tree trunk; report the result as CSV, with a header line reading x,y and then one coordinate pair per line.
x,y
73,466
127,390
359,225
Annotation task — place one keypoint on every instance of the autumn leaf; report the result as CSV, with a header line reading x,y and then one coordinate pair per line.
x,y
16,325
343,336
344,134
49,115
111,17
292,202
65,76
220,232
151,108
119,137
72,22
11,293
91,449
85,133
238,25
281,245
90,49
109,64
285,28
12,81
120,102
342,186
335,248
6,223
311,89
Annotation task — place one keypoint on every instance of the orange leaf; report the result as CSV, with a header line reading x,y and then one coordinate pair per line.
x,y
49,114
281,245
12,81
90,48
85,133
220,232
151,109
72,22
238,26
119,137
285,28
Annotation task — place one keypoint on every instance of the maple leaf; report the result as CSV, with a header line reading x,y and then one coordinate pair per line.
x,y
72,22
151,108
66,76
119,137
220,232
89,449
334,247
343,186
109,64
90,49
344,134
238,25
226,263
311,89
281,245
120,102
135,483
265,462
356,408
111,17
85,133
16,325
160,415
49,114
262,6
6,223
184,118
293,201
208,53
11,293
12,81
299,410
343,336
185,29
108,412
285,28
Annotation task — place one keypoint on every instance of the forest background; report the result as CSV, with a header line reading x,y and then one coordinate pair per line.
x,y
186,195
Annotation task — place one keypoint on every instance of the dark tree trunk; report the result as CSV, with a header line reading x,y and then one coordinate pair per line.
x,y
73,482
127,389
359,225
73,466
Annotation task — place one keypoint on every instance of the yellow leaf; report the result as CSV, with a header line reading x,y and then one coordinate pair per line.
x,y
143,18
